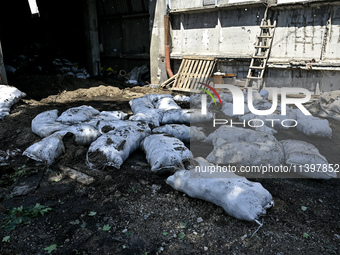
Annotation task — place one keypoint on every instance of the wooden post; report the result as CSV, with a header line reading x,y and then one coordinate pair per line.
x,y
92,37
3,77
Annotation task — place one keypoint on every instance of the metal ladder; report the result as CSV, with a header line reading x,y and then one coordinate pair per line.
x,y
260,56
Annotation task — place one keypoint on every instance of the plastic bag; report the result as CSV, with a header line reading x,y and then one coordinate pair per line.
x,y
164,152
47,150
8,96
240,198
308,159
45,124
78,114
114,147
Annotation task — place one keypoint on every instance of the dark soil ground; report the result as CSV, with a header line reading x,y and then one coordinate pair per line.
x,y
140,212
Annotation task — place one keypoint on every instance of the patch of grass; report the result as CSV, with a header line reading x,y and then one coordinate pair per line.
x,y
19,215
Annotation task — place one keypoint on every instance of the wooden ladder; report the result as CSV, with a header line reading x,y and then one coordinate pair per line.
x,y
260,57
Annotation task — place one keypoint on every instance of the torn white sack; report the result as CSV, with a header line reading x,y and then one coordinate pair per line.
x,y
309,161
186,116
164,152
45,124
114,147
47,150
8,96
238,197
78,114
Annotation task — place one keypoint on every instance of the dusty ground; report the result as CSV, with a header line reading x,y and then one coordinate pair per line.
x,y
143,214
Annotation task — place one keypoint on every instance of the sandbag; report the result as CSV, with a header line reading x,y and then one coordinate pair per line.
x,y
164,152
247,154
166,103
185,116
84,134
309,161
155,97
197,134
112,115
313,126
47,150
8,96
239,197
181,132
182,99
141,105
78,114
114,147
45,124
237,134
104,126
152,117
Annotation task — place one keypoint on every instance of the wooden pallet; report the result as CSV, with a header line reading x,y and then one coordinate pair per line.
x,y
192,71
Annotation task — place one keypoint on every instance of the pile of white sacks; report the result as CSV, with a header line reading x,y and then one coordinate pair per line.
x,y
159,127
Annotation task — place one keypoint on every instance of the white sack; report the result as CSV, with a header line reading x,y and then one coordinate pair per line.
x,y
141,105
84,134
114,147
237,134
8,96
313,126
185,116
238,197
152,117
45,124
104,126
247,154
155,97
78,114
307,156
165,152
47,150
182,99
166,103
181,132
112,115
